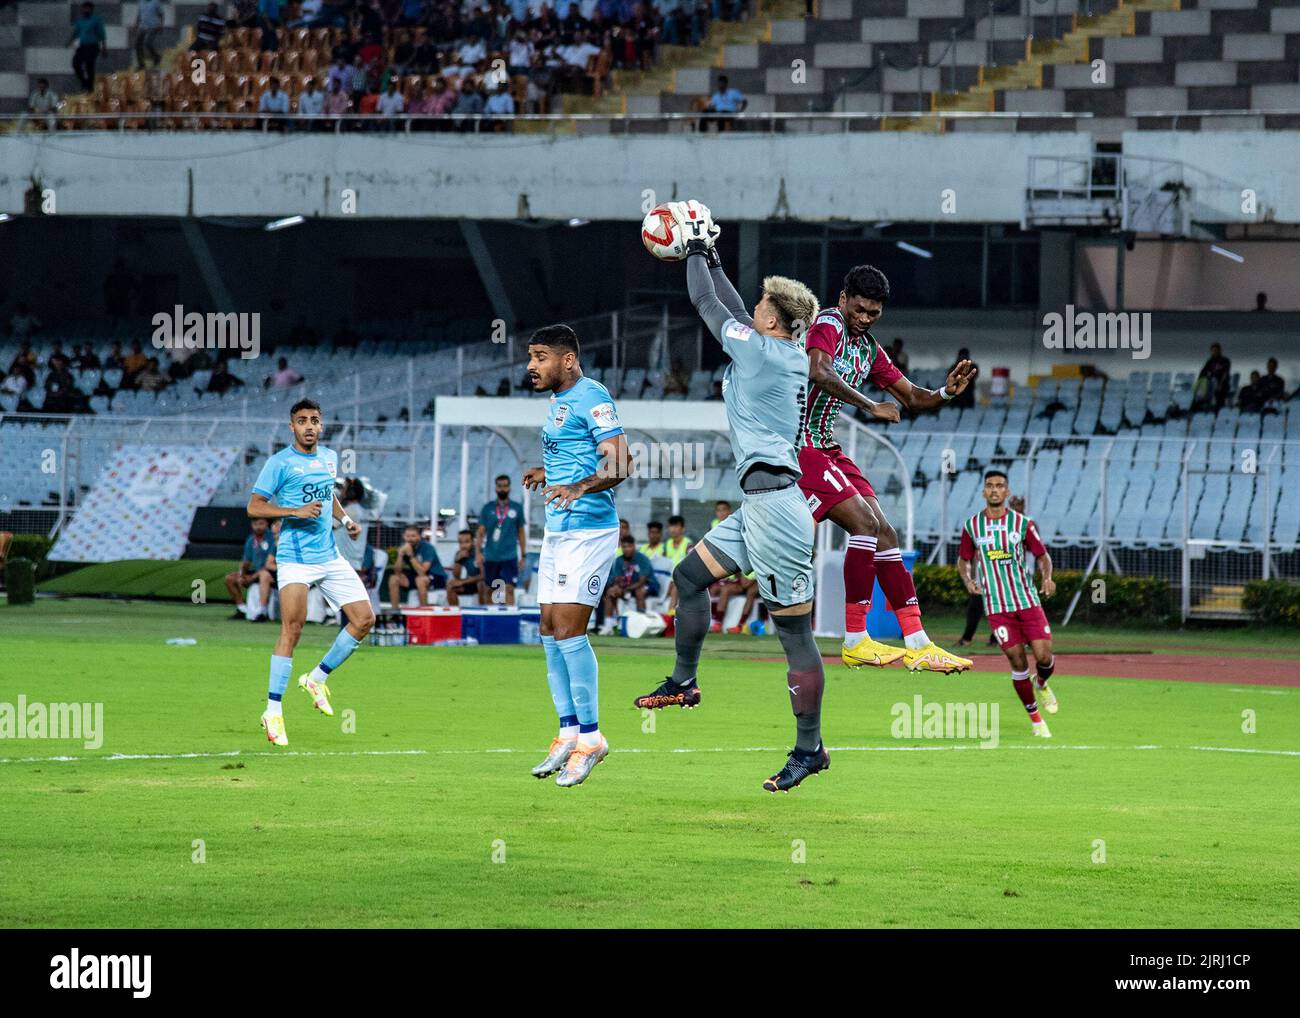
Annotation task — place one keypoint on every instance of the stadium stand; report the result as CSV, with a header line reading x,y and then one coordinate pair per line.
x,y
1065,433
471,48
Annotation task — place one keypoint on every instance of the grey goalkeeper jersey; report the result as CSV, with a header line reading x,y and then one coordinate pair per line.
x,y
763,386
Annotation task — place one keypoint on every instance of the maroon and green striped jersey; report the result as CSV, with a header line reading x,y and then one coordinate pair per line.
x,y
1001,545
855,359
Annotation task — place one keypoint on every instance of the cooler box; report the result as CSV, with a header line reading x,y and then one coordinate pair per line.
x,y
429,625
881,622
491,624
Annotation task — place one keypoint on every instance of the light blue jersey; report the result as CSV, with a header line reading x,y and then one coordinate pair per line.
x,y
292,478
579,419
763,388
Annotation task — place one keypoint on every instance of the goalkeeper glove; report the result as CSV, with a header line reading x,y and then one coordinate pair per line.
x,y
696,222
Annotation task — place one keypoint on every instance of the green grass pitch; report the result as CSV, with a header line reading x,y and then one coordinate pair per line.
x,y
426,815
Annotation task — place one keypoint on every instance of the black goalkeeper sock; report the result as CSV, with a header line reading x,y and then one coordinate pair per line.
x,y
694,613
805,679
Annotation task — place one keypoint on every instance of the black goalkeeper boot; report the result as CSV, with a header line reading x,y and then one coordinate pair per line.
x,y
799,766
670,694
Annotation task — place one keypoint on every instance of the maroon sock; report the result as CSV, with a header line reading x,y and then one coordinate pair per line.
x,y
859,581
1025,690
895,580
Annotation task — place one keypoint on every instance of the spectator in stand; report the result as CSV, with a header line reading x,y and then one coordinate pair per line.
x,y
133,365
43,102
1212,383
1261,301
86,359
716,394
152,379
360,83
897,354
61,393
725,100
92,41
208,30
221,381
391,104
270,10
332,14
283,376
472,53
148,23
646,27
1271,386
115,361
337,101
245,13
577,57
469,104
26,359
519,55
420,105
16,382
1250,398
274,101
308,15
500,104
312,102
339,72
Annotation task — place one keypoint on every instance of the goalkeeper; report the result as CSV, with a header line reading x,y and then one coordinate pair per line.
x,y
771,534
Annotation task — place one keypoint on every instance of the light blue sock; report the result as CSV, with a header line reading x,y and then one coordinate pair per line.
x,y
584,679
557,677
344,644
281,667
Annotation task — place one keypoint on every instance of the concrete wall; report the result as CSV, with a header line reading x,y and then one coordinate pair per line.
x,y
859,176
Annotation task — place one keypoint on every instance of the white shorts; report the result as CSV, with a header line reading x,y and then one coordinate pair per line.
x,y
574,565
337,580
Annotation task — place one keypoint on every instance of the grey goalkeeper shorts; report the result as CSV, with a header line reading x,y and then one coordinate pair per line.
x,y
771,535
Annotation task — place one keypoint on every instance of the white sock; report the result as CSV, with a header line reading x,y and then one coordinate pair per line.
x,y
589,739
851,640
568,732
916,640
274,707
318,676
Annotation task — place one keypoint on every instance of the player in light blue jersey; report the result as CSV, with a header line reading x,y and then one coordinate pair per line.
x,y
771,534
584,455
293,487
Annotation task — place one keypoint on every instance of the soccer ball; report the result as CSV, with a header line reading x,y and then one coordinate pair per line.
x,y
662,236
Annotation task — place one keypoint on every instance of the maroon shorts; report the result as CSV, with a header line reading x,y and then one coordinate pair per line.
x,y
1011,629
830,477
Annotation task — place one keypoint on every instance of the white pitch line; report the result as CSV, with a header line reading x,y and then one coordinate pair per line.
x,y
271,754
